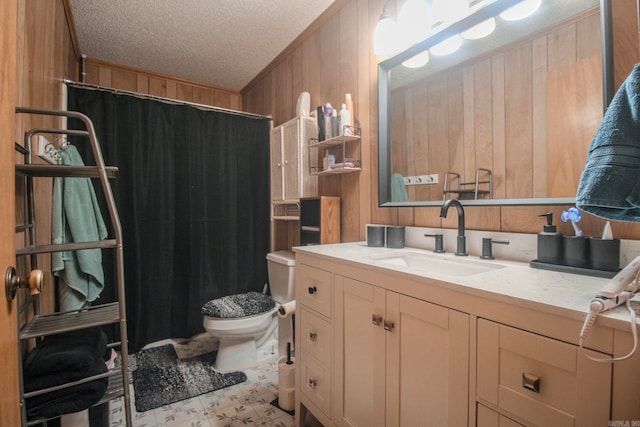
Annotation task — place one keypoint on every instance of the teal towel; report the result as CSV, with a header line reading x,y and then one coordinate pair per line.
x,y
398,189
76,217
610,183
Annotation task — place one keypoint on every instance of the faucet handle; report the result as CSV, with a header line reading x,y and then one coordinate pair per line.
x,y
487,247
439,242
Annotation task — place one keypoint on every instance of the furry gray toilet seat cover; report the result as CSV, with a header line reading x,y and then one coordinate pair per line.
x,y
240,305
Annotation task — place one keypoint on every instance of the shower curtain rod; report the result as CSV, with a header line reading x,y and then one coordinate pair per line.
x,y
166,100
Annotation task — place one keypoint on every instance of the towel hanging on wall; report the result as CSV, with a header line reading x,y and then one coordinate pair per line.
x,y
610,183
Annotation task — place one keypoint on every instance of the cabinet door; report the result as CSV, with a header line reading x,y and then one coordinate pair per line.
x,y
290,156
276,164
427,364
360,345
490,418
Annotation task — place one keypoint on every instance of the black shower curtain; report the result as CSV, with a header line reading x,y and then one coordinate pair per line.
x,y
192,194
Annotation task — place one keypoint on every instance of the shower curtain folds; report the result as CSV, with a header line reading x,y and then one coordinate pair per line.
x,y
193,196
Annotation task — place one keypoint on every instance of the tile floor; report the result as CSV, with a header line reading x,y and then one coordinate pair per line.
x,y
244,404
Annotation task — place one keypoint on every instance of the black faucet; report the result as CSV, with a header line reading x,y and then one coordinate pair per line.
x,y
461,249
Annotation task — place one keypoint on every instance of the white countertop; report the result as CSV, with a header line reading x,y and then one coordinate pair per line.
x,y
513,282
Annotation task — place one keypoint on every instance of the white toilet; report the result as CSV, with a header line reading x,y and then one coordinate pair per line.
x,y
246,325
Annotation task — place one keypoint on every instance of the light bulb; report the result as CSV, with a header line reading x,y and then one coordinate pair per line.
x,y
447,46
385,37
413,22
420,60
449,10
481,30
521,10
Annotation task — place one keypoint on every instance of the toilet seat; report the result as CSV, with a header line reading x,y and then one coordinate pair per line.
x,y
238,306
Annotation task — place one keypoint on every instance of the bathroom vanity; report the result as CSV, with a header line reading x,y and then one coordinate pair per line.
x,y
407,337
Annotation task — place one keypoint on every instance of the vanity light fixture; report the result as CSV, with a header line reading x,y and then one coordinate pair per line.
x,y
521,10
481,30
449,10
414,22
420,60
447,47
385,36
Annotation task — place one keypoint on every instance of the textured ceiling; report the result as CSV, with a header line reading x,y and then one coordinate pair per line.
x,y
224,43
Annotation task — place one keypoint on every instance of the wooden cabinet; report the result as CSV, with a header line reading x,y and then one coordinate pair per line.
x,y
539,380
380,347
319,220
290,178
314,342
403,360
392,360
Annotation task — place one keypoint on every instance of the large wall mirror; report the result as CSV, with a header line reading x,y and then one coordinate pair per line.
x,y
504,120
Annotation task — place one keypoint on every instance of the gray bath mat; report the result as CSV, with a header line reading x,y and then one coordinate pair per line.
x,y
160,378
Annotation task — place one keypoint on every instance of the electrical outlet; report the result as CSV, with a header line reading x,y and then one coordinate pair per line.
x,y
47,151
421,179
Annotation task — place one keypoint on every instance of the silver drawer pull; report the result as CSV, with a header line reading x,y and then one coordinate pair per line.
x,y
389,325
313,336
376,319
313,290
312,383
531,382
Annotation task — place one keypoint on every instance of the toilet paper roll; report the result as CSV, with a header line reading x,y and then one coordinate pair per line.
x,y
286,375
287,308
287,398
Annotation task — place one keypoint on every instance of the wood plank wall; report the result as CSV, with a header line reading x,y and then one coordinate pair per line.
x,y
45,57
509,112
336,57
116,76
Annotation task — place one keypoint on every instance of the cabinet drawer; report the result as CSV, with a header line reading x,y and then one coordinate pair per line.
x,y
314,289
317,337
541,380
315,382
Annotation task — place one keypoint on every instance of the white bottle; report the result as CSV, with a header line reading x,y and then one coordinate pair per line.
x,y
344,121
349,103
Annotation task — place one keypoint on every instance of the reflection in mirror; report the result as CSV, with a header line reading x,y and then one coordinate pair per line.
x,y
507,119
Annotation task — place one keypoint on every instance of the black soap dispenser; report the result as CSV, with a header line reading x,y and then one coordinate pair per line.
x,y
549,243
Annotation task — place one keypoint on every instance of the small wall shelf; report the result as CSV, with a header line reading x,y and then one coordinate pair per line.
x,y
346,148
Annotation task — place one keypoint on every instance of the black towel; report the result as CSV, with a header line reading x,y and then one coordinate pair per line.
x,y
60,359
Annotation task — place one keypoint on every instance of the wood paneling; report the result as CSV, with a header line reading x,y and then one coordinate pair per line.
x,y
115,76
575,113
461,119
487,101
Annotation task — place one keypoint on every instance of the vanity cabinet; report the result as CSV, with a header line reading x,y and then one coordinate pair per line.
x,y
399,360
372,357
379,346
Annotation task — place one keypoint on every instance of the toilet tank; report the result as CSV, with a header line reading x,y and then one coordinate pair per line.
x,y
281,268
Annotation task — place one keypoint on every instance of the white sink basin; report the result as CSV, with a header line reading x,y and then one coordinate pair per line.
x,y
437,263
